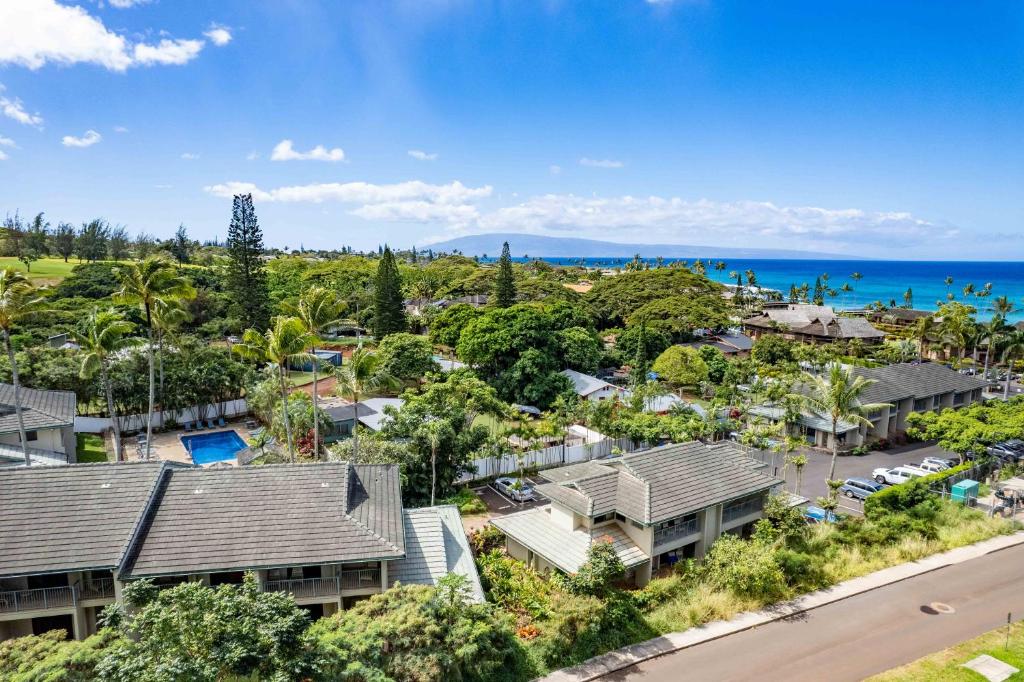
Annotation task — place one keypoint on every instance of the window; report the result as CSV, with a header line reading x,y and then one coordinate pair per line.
x,y
958,398
619,517
936,400
31,436
602,518
920,405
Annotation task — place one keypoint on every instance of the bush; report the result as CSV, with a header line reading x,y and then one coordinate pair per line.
x,y
468,502
486,539
908,495
595,577
51,658
746,568
513,585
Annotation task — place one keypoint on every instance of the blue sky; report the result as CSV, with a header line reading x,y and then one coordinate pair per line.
x,y
867,128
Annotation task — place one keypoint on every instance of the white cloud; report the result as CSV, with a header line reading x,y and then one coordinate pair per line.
x,y
555,169
285,152
90,138
13,108
357,192
189,156
422,156
3,155
37,32
219,35
120,129
6,142
125,4
601,163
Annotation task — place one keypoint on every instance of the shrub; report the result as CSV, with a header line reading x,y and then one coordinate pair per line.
x,y
468,502
907,495
486,539
595,577
746,568
52,658
514,586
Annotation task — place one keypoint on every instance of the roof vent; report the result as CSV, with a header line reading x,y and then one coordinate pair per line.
x,y
325,484
197,491
105,485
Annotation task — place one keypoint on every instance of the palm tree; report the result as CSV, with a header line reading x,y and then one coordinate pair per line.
x,y
837,398
434,432
799,461
924,332
949,283
1013,348
361,375
317,309
151,284
106,333
993,330
167,316
18,300
285,341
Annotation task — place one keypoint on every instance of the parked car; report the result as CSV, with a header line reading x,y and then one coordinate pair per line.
x,y
947,463
897,475
930,467
1005,452
859,488
516,489
814,515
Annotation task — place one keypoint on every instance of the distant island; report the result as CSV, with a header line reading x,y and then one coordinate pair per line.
x,y
569,247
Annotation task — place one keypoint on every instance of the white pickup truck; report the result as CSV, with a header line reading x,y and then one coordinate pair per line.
x,y
897,475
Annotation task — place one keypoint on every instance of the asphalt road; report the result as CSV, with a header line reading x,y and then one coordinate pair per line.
x,y
860,636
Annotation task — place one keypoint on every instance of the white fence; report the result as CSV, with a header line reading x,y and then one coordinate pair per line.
x,y
137,422
546,458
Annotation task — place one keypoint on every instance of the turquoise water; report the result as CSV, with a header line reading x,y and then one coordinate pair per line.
x,y
207,448
881,280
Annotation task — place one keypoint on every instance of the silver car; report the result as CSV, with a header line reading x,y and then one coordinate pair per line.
x,y
516,489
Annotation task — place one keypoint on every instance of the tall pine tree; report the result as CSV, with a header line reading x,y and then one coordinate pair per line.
x,y
505,284
388,308
819,292
247,276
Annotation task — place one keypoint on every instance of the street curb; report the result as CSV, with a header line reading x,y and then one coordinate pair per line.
x,y
625,657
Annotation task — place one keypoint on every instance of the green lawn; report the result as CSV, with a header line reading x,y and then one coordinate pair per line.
x,y
296,378
90,448
945,665
50,269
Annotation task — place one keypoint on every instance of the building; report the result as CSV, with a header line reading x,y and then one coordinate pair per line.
x,y
329,534
810,324
655,507
370,414
49,418
591,388
908,387
898,317
732,345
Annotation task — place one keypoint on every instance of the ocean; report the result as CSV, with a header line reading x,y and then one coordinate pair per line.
x,y
884,281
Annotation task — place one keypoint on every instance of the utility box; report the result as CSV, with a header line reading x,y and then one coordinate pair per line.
x,y
966,491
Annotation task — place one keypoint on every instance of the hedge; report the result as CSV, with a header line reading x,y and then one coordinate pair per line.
x,y
909,494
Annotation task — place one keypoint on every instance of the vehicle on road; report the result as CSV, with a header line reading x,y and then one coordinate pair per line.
x,y
515,489
897,475
930,467
860,488
947,463
1006,451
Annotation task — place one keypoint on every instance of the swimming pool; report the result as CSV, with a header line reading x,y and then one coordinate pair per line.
x,y
207,448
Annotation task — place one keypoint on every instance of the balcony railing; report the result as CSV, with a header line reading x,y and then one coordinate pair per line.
x,y
680,529
305,587
360,579
99,588
37,600
740,509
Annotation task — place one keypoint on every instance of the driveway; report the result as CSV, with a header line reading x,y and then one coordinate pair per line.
x,y
816,470
860,636
499,505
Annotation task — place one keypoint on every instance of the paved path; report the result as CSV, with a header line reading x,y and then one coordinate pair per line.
x,y
860,636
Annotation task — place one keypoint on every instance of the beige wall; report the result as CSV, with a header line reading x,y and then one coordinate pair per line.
x,y
48,439
563,518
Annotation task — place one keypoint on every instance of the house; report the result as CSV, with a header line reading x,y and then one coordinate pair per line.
x,y
49,418
810,324
447,365
655,508
330,534
591,388
898,317
663,404
343,414
732,345
908,387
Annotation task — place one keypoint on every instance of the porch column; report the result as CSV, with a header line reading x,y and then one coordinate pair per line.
x,y
383,576
79,623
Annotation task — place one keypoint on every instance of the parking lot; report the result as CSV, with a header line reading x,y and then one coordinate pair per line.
x,y
500,505
816,470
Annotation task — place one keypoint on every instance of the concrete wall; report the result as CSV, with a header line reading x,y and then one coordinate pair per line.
x,y
564,518
46,439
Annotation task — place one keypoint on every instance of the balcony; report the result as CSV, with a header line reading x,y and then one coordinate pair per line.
x,y
682,528
99,588
305,587
742,508
360,579
15,601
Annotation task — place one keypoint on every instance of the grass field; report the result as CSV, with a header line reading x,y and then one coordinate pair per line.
x,y
90,448
44,270
946,665
296,378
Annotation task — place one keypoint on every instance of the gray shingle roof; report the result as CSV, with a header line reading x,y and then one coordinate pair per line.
x,y
39,409
658,484
566,549
436,546
67,518
281,515
906,380
584,384
815,320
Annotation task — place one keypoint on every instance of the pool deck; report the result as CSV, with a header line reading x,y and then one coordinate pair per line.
x,y
167,445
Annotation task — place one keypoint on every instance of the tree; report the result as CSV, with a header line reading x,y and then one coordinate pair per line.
x,y
837,398
434,433
91,243
167,316
716,361
580,349
361,375
682,366
195,632
388,308
151,284
640,341
405,356
318,309
504,283
908,298
799,461
247,278
145,245
447,326
1013,348
63,239
924,331
771,349
19,300
285,341
118,242
36,242
180,246
106,334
